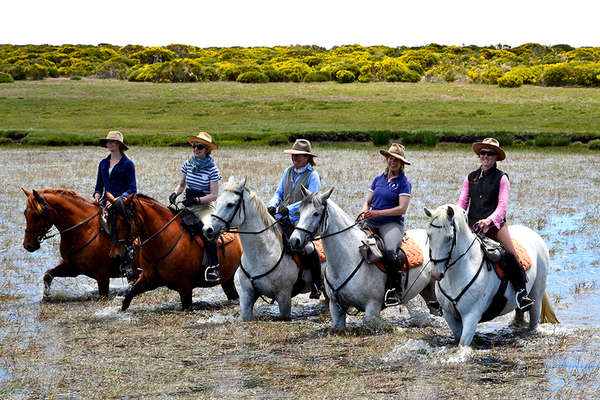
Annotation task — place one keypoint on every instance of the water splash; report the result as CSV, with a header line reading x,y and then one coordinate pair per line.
x,y
423,352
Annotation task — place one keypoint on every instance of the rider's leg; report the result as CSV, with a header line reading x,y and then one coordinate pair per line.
x,y
203,212
392,234
311,255
515,270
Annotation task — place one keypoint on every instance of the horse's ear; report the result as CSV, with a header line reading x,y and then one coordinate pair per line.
x,y
27,192
243,184
129,199
305,191
111,199
37,197
231,179
450,212
326,195
427,212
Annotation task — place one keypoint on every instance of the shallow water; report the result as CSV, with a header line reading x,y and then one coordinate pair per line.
x,y
553,193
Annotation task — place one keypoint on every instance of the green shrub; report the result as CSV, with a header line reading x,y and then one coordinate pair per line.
x,y
5,140
153,55
75,78
111,70
543,141
6,78
561,141
344,76
594,144
380,138
559,75
36,72
402,75
274,75
317,76
75,66
510,80
179,70
252,77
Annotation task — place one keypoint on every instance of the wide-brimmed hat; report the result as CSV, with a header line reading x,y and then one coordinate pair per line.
x,y
114,135
300,146
203,138
492,144
397,151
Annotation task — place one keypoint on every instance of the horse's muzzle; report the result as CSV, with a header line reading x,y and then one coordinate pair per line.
x,y
32,246
295,243
436,274
209,232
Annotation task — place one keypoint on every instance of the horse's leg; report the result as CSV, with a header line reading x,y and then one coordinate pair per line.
x,y
519,319
455,325
338,314
142,285
185,294
284,301
469,325
247,299
103,280
229,289
428,294
64,269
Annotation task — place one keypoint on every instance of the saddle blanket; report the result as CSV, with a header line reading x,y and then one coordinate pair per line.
x,y
525,259
414,255
318,248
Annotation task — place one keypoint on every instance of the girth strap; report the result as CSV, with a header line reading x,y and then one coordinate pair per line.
x,y
455,300
334,290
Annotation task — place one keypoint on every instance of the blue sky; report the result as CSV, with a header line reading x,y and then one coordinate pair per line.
x,y
325,23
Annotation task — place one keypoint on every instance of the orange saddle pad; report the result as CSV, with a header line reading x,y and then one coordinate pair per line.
x,y
320,251
525,259
414,255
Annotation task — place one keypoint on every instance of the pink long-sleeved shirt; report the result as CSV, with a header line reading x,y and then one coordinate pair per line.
x,y
500,212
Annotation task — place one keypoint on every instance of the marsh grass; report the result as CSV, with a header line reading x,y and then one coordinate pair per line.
x,y
75,345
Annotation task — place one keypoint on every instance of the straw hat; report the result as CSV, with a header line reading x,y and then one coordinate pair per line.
x,y
300,146
203,138
397,151
114,135
491,144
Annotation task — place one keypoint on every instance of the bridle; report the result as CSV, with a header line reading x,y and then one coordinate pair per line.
x,y
323,225
42,232
452,246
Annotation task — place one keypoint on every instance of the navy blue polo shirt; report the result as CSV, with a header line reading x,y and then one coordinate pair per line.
x,y
385,195
121,181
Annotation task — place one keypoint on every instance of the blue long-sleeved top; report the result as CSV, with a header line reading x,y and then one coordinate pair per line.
x,y
313,184
121,181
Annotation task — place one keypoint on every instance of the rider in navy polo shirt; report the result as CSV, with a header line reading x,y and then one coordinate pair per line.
x,y
116,173
384,210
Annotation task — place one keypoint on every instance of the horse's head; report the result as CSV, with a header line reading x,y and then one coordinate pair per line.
x,y
445,224
230,209
37,218
123,222
313,215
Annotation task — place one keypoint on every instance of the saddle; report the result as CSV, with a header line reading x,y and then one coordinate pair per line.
x,y
495,252
409,254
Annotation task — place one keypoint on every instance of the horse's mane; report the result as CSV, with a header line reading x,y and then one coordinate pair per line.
x,y
32,202
346,219
260,207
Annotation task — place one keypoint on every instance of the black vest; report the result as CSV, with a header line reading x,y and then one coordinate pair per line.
x,y
483,192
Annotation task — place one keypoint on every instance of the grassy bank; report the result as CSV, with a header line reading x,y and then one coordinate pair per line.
x,y
80,112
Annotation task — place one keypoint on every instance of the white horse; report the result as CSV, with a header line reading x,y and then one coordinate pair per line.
x,y
349,279
266,269
467,282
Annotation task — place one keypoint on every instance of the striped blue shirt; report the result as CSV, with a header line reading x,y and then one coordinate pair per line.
x,y
202,180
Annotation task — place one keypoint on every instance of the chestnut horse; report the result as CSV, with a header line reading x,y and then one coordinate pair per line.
x,y
84,248
170,255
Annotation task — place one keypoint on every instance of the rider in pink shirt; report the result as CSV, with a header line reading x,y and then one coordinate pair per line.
x,y
485,195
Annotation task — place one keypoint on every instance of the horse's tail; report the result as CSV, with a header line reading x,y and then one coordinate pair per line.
x,y
547,314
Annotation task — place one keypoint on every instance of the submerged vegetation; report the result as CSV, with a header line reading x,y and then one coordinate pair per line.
x,y
528,64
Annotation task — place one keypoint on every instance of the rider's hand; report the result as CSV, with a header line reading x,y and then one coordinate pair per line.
x,y
197,200
283,211
97,197
272,210
172,198
483,223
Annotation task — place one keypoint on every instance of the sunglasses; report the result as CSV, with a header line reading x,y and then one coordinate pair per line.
x,y
487,153
198,146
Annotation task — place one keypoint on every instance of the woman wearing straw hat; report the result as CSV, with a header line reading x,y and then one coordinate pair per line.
x,y
285,202
384,209
116,173
485,194
200,179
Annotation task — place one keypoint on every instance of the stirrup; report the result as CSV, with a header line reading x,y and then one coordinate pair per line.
x,y
391,294
211,273
527,301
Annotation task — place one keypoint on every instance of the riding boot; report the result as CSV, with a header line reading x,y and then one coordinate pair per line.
x,y
316,288
392,294
518,278
211,273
